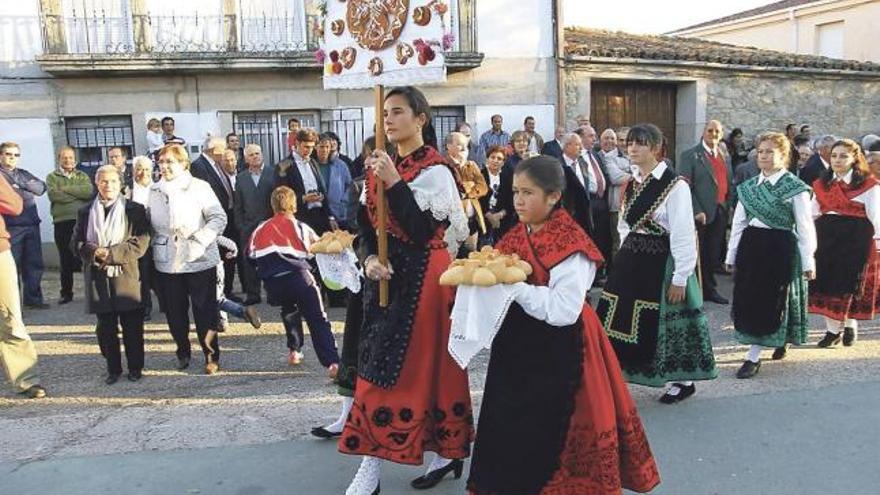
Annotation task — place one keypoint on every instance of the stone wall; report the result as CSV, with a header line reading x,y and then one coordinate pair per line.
x,y
756,102
844,105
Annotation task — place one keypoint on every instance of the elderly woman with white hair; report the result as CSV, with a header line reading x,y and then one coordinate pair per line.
x,y
187,218
142,181
111,235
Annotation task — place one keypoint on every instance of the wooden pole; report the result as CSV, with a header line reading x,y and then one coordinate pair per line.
x,y
381,235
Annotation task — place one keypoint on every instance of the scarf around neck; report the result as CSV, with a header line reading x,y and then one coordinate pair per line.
x,y
107,228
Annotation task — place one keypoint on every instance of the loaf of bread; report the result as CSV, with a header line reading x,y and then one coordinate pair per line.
x,y
486,268
332,242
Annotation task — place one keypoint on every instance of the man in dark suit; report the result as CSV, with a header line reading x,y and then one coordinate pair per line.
x,y
209,167
599,188
254,187
300,173
554,147
819,162
708,171
576,198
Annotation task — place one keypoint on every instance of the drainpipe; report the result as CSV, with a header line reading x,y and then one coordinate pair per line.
x,y
792,16
559,60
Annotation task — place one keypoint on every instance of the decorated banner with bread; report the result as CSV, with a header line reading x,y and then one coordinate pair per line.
x,y
384,42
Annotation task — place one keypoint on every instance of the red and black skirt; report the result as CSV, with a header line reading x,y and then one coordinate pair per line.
x,y
847,269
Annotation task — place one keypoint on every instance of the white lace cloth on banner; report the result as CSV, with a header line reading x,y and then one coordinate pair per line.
x,y
476,317
340,269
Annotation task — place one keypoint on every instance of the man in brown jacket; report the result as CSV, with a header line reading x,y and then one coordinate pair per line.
x,y
17,351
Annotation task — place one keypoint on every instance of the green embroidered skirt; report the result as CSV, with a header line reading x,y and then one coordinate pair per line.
x,y
656,342
770,292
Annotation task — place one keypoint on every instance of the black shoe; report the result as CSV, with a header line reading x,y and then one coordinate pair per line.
x,y
34,392
780,352
322,432
684,391
65,300
431,479
112,378
829,340
234,298
41,305
250,301
748,369
849,336
716,298
183,363
252,317
134,375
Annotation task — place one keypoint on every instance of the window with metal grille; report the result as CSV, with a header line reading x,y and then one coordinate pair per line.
x,y
348,124
92,138
446,119
269,129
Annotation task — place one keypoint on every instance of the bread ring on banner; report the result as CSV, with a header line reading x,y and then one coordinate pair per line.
x,y
422,16
375,66
404,52
349,55
376,24
337,27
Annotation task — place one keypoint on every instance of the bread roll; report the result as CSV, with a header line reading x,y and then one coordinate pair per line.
x,y
484,278
452,276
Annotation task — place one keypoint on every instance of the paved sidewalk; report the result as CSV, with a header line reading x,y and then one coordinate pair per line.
x,y
804,442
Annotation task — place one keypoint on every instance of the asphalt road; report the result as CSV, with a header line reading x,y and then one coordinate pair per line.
x,y
807,425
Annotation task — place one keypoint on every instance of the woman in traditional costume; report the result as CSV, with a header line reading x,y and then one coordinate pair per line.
x,y
847,207
556,416
771,248
410,396
651,306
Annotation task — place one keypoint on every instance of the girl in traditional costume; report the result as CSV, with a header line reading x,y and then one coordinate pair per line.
x,y
651,306
847,207
771,248
410,396
556,416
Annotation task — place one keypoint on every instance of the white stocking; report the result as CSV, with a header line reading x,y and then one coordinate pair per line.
x,y
343,416
832,325
754,354
367,478
438,463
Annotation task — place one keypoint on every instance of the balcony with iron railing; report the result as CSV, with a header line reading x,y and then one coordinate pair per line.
x,y
100,42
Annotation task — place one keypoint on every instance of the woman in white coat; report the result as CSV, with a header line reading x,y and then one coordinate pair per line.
x,y
186,218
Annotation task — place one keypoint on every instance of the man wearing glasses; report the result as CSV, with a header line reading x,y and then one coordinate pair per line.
x,y
24,228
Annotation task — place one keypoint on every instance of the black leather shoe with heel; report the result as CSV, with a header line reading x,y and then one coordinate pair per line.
x,y
431,479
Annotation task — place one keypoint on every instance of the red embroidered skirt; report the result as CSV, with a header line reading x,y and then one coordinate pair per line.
x,y
429,408
847,269
606,447
858,306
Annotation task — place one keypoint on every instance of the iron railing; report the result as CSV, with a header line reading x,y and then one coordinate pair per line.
x,y
99,33
120,31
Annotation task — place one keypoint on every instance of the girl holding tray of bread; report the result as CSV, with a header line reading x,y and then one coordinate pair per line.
x,y
556,415
410,396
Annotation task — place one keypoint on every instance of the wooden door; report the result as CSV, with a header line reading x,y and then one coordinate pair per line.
x,y
626,103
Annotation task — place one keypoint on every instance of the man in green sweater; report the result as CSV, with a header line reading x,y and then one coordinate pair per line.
x,y
69,190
